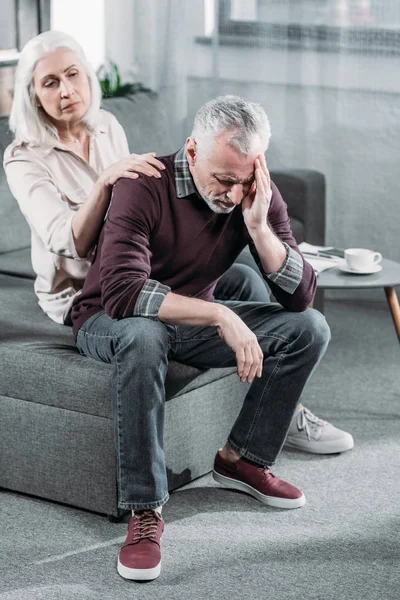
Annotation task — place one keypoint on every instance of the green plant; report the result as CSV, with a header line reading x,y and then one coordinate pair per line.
x,y
110,82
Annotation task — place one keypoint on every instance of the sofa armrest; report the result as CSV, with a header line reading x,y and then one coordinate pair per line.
x,y
303,190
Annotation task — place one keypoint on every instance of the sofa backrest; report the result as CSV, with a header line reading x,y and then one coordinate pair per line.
x,y
14,230
145,123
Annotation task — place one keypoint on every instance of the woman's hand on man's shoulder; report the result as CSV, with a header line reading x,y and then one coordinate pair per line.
x,y
131,167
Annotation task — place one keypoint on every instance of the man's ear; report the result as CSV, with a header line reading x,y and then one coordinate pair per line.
x,y
191,151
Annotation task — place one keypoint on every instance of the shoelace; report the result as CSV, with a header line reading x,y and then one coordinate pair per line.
x,y
304,418
145,525
266,471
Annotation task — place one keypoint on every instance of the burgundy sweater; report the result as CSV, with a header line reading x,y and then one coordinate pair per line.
x,y
150,233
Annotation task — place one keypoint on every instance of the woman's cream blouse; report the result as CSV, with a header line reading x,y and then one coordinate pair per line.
x,y
50,183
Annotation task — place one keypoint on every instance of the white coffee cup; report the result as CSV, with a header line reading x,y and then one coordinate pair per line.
x,y
361,259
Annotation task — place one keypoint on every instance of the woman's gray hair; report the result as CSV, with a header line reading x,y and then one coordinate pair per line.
x,y
29,123
231,114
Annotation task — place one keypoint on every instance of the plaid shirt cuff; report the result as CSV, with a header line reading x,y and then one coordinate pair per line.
x,y
289,276
150,299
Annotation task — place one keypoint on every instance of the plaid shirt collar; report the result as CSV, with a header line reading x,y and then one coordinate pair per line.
x,y
183,178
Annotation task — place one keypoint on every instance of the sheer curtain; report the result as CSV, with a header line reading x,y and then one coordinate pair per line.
x,y
160,39
326,72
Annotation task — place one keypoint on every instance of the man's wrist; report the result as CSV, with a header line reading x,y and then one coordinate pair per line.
x,y
263,233
271,251
220,314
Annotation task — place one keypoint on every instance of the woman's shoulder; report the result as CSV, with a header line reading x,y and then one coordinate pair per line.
x,y
107,120
17,151
109,125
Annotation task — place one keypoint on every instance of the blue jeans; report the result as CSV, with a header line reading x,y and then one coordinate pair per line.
x,y
242,282
139,350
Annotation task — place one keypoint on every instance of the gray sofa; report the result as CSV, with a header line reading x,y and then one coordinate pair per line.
x,y
56,434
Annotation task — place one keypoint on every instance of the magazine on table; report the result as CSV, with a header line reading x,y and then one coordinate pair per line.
x,y
321,258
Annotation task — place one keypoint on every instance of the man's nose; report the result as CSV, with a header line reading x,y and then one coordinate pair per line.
x,y
235,194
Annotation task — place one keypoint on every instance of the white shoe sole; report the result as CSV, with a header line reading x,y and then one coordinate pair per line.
x,y
139,574
233,484
333,447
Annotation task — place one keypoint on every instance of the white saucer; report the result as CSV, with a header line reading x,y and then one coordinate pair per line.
x,y
369,271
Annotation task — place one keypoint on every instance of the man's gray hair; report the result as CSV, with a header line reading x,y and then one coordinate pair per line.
x,y
243,120
28,123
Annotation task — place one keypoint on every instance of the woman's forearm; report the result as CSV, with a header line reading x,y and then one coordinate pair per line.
x,y
88,219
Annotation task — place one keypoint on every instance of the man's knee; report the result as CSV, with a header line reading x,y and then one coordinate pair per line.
x,y
146,339
252,286
313,329
255,286
242,283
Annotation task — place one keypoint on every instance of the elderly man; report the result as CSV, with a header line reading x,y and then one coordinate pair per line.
x,y
148,298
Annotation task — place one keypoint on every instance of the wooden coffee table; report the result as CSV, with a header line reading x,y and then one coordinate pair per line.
x,y
387,279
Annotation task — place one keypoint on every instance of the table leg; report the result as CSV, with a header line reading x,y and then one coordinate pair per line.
x,y
394,306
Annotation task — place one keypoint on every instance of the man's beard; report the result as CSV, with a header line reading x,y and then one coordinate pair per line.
x,y
213,202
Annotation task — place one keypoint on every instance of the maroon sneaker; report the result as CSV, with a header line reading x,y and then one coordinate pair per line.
x,y
140,556
259,482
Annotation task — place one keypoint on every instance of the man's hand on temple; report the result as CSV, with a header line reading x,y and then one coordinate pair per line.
x,y
255,205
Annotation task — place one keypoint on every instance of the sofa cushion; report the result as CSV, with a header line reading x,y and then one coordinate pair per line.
x,y
17,262
40,363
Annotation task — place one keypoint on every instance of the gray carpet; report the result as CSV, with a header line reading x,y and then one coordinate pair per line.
x,y
342,545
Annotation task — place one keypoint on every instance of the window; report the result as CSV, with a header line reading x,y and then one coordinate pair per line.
x,y
87,29
21,20
366,26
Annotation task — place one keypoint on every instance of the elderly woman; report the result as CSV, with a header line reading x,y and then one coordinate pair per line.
x,y
62,165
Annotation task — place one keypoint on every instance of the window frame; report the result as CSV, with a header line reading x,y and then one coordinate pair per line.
x,y
296,36
31,18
